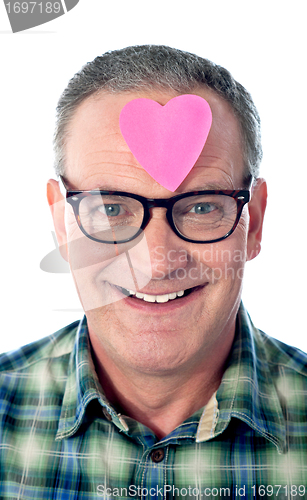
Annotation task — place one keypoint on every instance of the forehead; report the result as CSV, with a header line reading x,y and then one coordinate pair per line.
x,y
96,152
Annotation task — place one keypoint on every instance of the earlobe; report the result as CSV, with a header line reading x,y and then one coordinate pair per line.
x,y
57,206
256,208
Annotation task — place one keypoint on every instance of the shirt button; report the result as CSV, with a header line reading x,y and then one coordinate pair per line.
x,y
106,414
157,455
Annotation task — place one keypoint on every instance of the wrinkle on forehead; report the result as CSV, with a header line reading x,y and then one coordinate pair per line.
x,y
97,154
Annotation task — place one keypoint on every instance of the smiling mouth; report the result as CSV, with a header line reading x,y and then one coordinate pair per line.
x,y
160,299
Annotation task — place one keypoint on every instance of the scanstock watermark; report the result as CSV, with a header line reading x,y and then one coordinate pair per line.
x,y
242,491
25,15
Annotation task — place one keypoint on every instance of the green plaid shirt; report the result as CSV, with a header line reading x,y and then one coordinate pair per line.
x,y
61,439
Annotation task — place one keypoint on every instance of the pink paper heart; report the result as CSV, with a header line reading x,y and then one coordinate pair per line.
x,y
166,140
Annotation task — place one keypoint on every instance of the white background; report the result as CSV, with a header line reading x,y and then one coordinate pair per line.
x,y
262,43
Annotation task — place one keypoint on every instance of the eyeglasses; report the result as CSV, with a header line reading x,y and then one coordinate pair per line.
x,y
115,217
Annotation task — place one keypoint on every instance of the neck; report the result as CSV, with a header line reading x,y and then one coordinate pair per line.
x,y
161,401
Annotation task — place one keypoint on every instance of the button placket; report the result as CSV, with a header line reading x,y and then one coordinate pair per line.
x,y
107,414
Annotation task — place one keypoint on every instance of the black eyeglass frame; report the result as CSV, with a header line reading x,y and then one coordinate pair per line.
x,y
241,196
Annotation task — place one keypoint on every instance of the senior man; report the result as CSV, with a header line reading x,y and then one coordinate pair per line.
x,y
164,389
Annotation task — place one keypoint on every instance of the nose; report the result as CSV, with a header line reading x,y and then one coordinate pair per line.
x,y
166,249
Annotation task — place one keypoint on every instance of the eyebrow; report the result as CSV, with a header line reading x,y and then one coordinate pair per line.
x,y
213,186
207,187
204,187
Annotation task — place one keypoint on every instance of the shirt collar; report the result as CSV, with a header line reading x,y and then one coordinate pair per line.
x,y
247,391
82,387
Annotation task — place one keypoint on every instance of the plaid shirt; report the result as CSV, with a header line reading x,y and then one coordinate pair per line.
x,y
61,439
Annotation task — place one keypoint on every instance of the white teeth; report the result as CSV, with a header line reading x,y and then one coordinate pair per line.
x,y
157,298
149,298
162,298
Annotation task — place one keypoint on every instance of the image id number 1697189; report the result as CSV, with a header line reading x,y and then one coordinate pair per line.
x,y
33,7
277,490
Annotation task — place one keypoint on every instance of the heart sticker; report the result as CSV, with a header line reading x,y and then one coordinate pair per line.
x,y
166,140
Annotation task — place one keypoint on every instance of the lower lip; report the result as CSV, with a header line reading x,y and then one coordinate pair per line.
x,y
171,305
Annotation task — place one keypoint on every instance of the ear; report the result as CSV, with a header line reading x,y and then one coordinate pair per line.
x,y
256,208
57,206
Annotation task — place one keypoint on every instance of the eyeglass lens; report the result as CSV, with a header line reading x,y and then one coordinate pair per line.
x,y
199,217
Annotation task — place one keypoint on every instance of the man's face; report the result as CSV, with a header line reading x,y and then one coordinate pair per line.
x,y
160,337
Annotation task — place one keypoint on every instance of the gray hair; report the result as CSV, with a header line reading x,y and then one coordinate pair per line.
x,y
158,67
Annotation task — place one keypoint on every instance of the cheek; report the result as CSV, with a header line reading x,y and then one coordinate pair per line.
x,y
85,253
97,266
225,260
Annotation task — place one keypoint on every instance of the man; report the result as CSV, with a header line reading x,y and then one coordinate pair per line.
x,y
165,389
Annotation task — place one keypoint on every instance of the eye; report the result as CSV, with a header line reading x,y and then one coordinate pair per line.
x,y
110,210
203,208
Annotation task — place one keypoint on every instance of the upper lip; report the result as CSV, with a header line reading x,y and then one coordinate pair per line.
x,y
160,292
